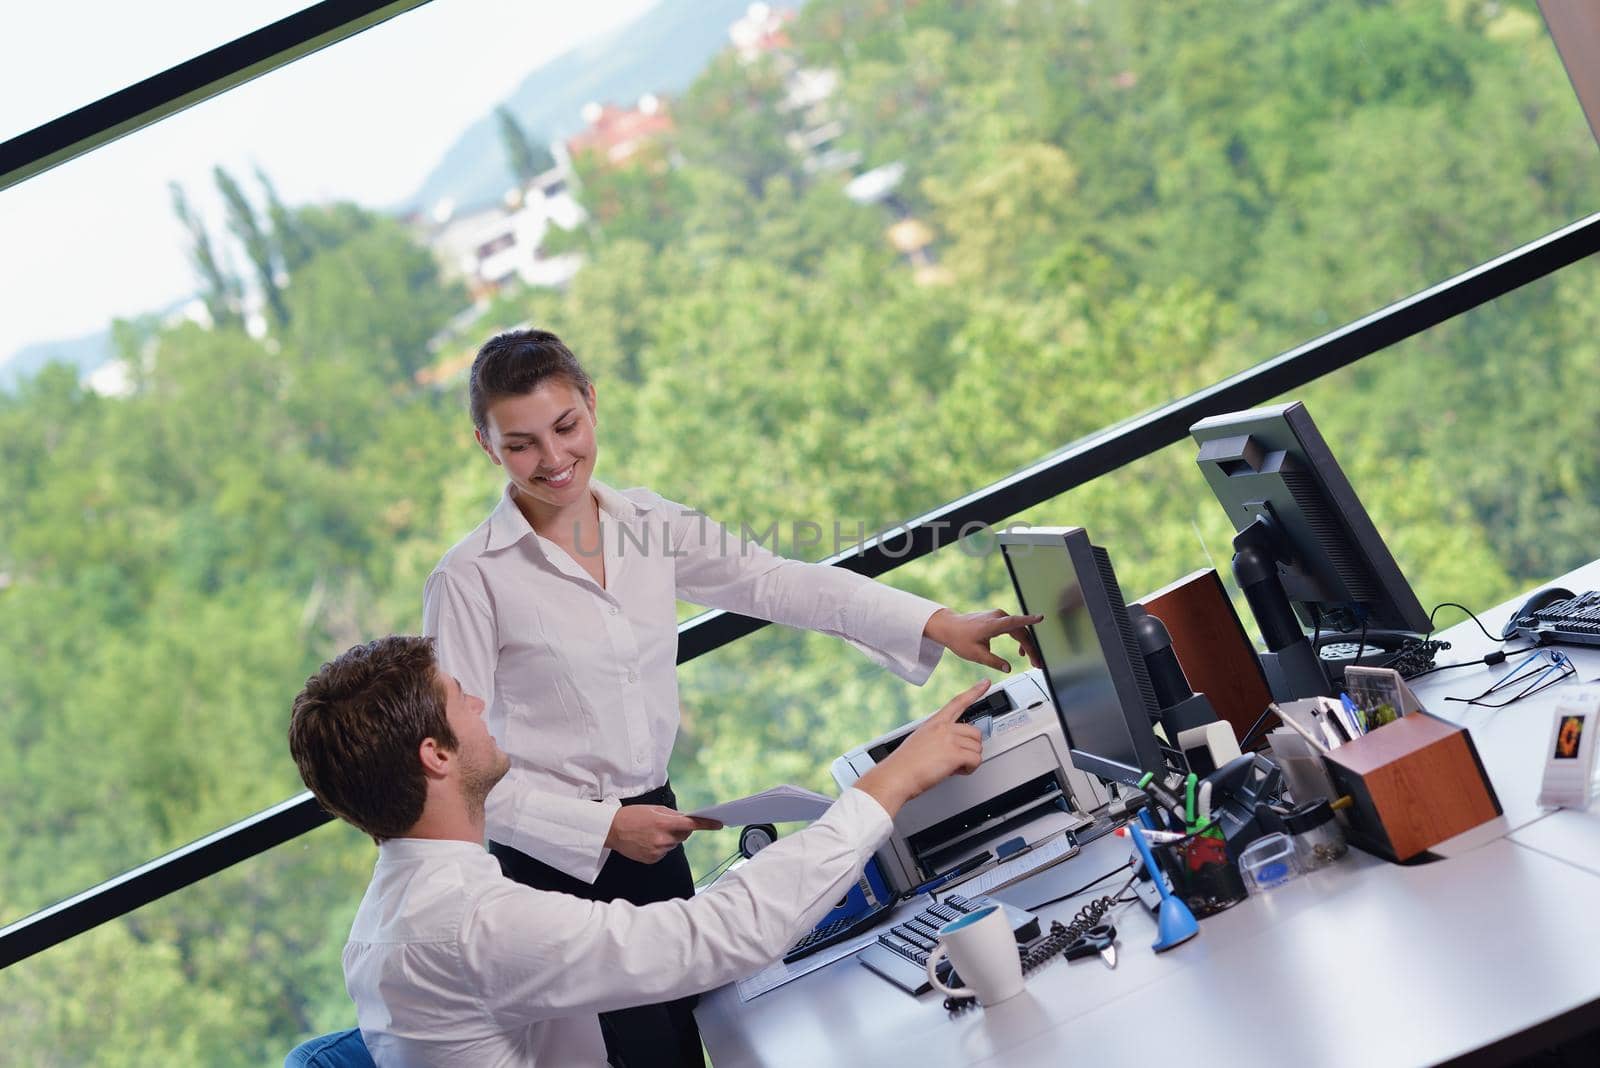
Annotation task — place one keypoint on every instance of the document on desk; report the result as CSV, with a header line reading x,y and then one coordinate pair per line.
x,y
1045,855
777,973
781,804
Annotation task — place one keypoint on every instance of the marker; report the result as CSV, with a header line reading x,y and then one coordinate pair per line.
x,y
1188,800
1154,837
1203,812
1330,727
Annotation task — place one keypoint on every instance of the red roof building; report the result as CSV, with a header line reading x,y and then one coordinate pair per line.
x,y
616,134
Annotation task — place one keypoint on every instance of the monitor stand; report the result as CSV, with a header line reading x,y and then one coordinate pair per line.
x,y
1290,663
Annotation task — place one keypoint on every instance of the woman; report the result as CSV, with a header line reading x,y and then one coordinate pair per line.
x,y
559,610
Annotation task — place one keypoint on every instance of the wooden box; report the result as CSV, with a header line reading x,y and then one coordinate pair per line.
x,y
1415,783
1213,649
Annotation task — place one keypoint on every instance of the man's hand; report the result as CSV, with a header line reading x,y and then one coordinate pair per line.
x,y
646,833
968,635
929,755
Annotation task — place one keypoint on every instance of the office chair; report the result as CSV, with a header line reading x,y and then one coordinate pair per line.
x,y
341,1049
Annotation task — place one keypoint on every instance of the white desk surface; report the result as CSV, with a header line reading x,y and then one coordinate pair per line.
x,y
1509,936
1363,963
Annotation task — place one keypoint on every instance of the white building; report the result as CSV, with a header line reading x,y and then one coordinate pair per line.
x,y
491,245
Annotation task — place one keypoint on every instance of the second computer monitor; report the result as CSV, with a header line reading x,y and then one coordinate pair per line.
x,y
1271,469
1305,547
1092,664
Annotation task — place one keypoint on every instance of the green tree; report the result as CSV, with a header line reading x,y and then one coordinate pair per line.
x,y
256,241
221,291
528,158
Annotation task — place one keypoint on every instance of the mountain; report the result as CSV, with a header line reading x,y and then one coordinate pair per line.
x,y
661,52
85,353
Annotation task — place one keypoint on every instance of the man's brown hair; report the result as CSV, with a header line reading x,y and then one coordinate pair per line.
x,y
516,363
356,728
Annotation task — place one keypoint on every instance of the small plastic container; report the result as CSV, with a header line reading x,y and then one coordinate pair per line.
x,y
1318,841
1269,862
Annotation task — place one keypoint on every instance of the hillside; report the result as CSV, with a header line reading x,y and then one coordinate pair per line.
x,y
662,52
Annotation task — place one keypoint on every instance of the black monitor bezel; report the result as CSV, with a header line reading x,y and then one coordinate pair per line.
x,y
1102,608
1398,608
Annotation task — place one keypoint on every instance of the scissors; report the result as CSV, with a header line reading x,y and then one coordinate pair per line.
x,y
1101,940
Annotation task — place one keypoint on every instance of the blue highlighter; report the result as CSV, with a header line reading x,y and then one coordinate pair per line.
x,y
1175,924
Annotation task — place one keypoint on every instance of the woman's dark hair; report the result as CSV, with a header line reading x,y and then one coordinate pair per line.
x,y
356,728
516,363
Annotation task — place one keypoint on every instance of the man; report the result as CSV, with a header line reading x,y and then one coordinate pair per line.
x,y
451,963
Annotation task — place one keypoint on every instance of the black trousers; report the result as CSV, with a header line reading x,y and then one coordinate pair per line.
x,y
645,1035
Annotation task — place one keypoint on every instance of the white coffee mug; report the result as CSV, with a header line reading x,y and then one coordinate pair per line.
x,y
984,953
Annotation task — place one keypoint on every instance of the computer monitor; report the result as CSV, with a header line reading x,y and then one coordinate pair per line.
x,y
1304,542
1092,664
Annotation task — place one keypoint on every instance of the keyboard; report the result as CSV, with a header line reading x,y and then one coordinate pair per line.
x,y
901,953
1575,621
837,931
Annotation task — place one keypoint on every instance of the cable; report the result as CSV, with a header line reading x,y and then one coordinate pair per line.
x,y
1244,742
1085,888
1468,611
1494,658
717,870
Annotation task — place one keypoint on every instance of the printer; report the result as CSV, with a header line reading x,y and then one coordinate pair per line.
x,y
1026,785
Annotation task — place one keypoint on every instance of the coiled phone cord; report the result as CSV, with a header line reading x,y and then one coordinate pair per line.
x,y
1060,937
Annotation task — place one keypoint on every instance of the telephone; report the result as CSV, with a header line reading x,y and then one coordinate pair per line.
x,y
1377,648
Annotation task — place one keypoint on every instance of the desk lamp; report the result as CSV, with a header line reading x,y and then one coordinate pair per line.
x,y
1175,924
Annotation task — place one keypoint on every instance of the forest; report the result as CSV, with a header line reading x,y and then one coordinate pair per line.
x,y
1128,202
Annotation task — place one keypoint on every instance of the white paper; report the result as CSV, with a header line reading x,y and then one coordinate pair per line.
x,y
781,804
1003,874
777,973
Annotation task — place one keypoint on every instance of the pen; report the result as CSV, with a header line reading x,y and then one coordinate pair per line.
x,y
971,864
1356,717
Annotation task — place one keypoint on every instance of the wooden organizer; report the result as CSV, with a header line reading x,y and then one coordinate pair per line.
x,y
1415,783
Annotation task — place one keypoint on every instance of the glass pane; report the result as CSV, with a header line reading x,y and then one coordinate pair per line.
x,y
231,971
855,264
184,535
57,57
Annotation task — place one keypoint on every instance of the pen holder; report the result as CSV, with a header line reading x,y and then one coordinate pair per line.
x,y
1201,873
1414,783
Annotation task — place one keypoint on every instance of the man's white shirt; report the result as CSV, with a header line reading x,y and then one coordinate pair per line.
x,y
451,963
581,682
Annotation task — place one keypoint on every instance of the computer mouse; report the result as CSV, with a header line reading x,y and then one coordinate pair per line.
x,y
1541,599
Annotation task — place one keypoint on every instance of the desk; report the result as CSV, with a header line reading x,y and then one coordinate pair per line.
x,y
1443,959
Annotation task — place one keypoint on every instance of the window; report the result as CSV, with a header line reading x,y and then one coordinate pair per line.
x,y
229,458
72,53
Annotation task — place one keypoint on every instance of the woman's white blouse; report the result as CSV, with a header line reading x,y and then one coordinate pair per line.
x,y
581,682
